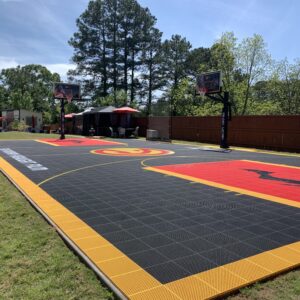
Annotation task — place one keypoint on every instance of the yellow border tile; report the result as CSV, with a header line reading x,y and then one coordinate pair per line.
x,y
160,292
221,279
135,282
192,288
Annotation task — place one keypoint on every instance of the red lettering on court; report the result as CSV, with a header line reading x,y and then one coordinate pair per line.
x,y
273,180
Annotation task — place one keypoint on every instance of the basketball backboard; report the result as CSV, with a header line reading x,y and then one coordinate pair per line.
x,y
209,83
66,91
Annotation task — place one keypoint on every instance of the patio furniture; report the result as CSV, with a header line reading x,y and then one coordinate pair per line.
x,y
112,132
121,131
136,132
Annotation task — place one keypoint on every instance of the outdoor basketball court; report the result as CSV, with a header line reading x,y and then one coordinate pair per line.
x,y
165,221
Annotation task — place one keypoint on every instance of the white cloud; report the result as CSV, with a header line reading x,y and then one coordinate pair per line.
x,y
7,62
61,69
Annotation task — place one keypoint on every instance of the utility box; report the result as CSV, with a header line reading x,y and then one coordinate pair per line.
x,y
152,134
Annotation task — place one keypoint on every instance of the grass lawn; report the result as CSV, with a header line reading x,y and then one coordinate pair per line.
x,y
18,135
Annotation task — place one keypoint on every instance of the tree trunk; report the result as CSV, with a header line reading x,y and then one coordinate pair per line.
x,y
132,77
150,84
104,62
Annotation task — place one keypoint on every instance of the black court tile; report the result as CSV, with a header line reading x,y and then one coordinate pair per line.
x,y
174,251
274,225
118,236
262,243
292,231
164,227
142,231
221,226
168,216
220,239
138,213
240,234
156,240
118,217
189,213
183,222
242,250
199,245
203,219
201,230
180,235
149,220
107,228
108,211
258,229
127,224
286,221
253,218
97,220
195,263
132,246
87,214
148,258
281,238
220,256
167,272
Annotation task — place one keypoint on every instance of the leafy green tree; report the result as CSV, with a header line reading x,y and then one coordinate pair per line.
x,y
90,47
253,61
108,46
118,99
175,55
152,77
198,61
28,87
224,59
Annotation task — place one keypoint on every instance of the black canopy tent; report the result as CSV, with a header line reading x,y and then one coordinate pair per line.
x,y
99,118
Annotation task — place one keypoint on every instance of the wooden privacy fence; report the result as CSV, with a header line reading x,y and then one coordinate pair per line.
x,y
265,132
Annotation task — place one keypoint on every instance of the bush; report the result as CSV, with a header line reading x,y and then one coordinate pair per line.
x,y
18,126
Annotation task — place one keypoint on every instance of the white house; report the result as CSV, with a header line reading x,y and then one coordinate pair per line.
x,y
32,119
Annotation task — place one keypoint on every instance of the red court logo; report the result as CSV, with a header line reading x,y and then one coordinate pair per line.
x,y
268,181
78,142
132,152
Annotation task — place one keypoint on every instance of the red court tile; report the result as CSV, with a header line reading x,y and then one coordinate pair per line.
x,y
273,180
77,142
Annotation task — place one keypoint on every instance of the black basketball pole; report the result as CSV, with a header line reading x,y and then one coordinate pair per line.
x,y
225,119
62,119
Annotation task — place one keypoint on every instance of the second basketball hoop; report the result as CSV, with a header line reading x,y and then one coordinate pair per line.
x,y
209,83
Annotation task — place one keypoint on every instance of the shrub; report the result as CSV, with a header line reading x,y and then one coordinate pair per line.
x,y
18,126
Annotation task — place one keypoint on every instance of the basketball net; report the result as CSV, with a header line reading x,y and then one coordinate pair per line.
x,y
202,92
69,98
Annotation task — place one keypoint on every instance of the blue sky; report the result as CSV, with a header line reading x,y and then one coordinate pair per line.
x,y
37,31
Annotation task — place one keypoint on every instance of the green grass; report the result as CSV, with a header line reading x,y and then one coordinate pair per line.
x,y
18,135
283,287
34,261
